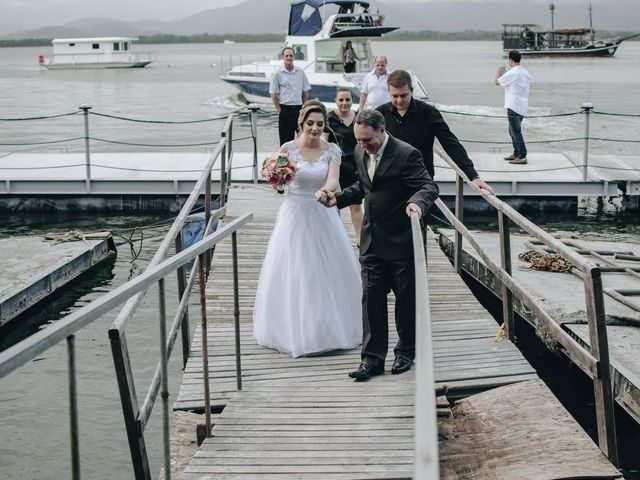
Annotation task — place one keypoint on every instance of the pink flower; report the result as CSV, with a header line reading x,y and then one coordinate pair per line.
x,y
278,170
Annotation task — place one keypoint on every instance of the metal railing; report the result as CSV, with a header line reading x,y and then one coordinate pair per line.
x,y
426,464
136,417
594,361
65,328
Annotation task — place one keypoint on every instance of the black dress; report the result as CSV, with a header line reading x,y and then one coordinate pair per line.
x,y
346,140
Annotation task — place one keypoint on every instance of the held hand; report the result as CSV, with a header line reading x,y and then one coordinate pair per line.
x,y
480,185
326,197
412,207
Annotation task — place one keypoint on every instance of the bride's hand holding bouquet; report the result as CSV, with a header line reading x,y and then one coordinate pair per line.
x,y
278,170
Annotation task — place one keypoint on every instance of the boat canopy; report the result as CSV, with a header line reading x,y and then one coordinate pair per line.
x,y
305,18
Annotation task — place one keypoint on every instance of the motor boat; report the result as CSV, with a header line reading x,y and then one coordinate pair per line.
x,y
318,39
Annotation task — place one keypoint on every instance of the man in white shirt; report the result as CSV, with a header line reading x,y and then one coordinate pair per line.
x,y
516,83
289,89
374,91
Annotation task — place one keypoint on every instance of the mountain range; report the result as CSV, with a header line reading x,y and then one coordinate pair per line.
x,y
440,15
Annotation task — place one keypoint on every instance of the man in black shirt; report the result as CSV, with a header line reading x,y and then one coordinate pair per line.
x,y
419,123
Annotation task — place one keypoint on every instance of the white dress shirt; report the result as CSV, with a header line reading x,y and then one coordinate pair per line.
x,y
289,85
516,83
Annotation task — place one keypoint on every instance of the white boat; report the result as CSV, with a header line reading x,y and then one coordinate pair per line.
x,y
102,52
318,44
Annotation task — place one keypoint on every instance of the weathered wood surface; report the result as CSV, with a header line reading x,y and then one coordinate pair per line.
x,y
564,296
518,432
304,418
467,357
365,430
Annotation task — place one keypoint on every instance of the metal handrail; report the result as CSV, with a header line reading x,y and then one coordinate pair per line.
x,y
426,419
595,360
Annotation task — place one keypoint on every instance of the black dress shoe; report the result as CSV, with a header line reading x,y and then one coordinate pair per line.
x,y
401,364
366,371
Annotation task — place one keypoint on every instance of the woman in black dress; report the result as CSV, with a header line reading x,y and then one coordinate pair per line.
x,y
341,122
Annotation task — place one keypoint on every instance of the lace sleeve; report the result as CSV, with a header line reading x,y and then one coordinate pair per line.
x,y
334,154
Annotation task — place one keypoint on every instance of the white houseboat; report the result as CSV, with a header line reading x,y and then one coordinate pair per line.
x,y
103,52
318,40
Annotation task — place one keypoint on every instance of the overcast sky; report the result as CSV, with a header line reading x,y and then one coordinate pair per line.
x,y
29,14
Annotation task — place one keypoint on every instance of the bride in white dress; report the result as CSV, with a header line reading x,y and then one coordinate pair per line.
x,y
309,293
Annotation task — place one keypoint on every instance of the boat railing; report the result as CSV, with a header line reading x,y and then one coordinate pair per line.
x,y
593,361
137,416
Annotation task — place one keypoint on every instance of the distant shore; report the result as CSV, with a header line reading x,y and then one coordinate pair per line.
x,y
424,35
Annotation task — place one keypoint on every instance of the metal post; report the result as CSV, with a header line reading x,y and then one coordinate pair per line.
x,y
223,170
459,215
87,156
182,285
164,393
253,115
74,430
236,308
505,260
586,109
205,346
207,216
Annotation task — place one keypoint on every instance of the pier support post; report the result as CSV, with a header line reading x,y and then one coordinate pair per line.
x,y
505,258
85,107
74,428
599,343
457,259
586,109
253,115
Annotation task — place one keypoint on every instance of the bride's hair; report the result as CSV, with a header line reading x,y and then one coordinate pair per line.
x,y
316,106
311,106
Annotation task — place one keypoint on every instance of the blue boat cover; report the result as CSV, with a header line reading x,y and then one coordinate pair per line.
x,y
303,25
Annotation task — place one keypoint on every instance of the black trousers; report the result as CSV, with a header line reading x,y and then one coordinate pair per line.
x,y
378,277
288,122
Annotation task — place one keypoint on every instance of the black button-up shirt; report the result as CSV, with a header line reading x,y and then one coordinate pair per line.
x,y
419,126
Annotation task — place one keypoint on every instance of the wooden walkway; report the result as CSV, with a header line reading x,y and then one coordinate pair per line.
x,y
304,418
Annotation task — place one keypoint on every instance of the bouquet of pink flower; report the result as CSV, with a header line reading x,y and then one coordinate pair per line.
x,y
278,170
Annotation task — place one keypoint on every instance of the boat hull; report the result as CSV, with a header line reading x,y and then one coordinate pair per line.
x,y
593,51
82,66
258,90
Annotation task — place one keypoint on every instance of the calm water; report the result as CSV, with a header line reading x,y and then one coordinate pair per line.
x,y
183,84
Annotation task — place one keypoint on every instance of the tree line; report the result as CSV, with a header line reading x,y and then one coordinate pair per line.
x,y
164,38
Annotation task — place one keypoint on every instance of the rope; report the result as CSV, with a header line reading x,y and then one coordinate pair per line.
x,y
551,262
25,119
603,167
128,119
44,143
557,140
104,140
615,114
484,115
618,140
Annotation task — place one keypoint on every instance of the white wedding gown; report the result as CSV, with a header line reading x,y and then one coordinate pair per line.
x,y
309,293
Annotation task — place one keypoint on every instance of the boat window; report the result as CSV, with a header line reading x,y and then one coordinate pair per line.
x,y
329,50
72,44
95,46
125,46
116,47
300,52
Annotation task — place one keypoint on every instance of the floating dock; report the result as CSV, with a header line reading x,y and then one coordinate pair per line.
x,y
304,418
157,181
563,295
33,268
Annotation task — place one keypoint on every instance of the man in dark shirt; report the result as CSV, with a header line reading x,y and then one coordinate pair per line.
x,y
419,123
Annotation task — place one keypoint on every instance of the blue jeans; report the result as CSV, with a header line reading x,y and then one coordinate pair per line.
x,y
515,131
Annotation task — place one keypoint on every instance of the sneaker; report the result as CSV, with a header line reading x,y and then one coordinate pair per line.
x,y
511,157
518,161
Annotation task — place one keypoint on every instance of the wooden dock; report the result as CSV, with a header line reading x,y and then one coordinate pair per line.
x,y
304,418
